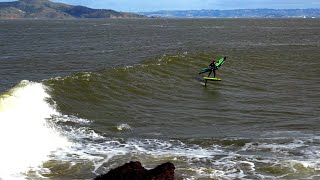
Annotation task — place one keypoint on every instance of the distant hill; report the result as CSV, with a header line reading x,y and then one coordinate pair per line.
x,y
238,13
44,9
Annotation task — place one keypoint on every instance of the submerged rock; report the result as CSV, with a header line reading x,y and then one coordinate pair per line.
x,y
135,171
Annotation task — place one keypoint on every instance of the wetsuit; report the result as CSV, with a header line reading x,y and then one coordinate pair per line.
x,y
213,69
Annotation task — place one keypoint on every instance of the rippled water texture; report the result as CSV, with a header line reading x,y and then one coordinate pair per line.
x,y
80,97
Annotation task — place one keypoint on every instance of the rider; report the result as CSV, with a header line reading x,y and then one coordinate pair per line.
x,y
213,68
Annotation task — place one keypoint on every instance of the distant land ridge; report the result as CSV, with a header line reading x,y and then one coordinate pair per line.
x,y
238,13
45,9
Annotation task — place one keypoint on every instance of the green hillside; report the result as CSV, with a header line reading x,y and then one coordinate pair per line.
x,y
43,9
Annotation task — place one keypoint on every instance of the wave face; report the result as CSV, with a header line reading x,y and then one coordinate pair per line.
x,y
160,111
83,124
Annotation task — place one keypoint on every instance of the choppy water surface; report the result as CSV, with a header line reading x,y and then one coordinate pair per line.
x,y
80,97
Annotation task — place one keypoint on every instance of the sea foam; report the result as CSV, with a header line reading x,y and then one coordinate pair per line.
x,y
26,136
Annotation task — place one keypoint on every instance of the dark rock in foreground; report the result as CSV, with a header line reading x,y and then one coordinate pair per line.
x,y
135,171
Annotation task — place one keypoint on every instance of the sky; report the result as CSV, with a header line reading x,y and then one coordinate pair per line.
x,y
155,5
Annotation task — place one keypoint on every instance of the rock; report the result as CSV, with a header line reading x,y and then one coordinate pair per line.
x,y
163,171
135,171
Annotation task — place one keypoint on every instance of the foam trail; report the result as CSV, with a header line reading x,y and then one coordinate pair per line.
x,y
26,137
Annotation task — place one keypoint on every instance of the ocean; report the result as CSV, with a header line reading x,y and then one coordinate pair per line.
x,y
80,97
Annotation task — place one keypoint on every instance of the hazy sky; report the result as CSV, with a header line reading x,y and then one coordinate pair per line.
x,y
152,5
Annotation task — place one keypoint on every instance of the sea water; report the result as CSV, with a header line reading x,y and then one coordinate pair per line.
x,y
80,97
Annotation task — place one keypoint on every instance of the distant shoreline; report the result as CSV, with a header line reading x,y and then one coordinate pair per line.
x,y
237,13
153,18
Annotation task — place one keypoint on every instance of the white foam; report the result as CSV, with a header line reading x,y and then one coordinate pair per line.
x,y
70,118
124,126
274,147
25,135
